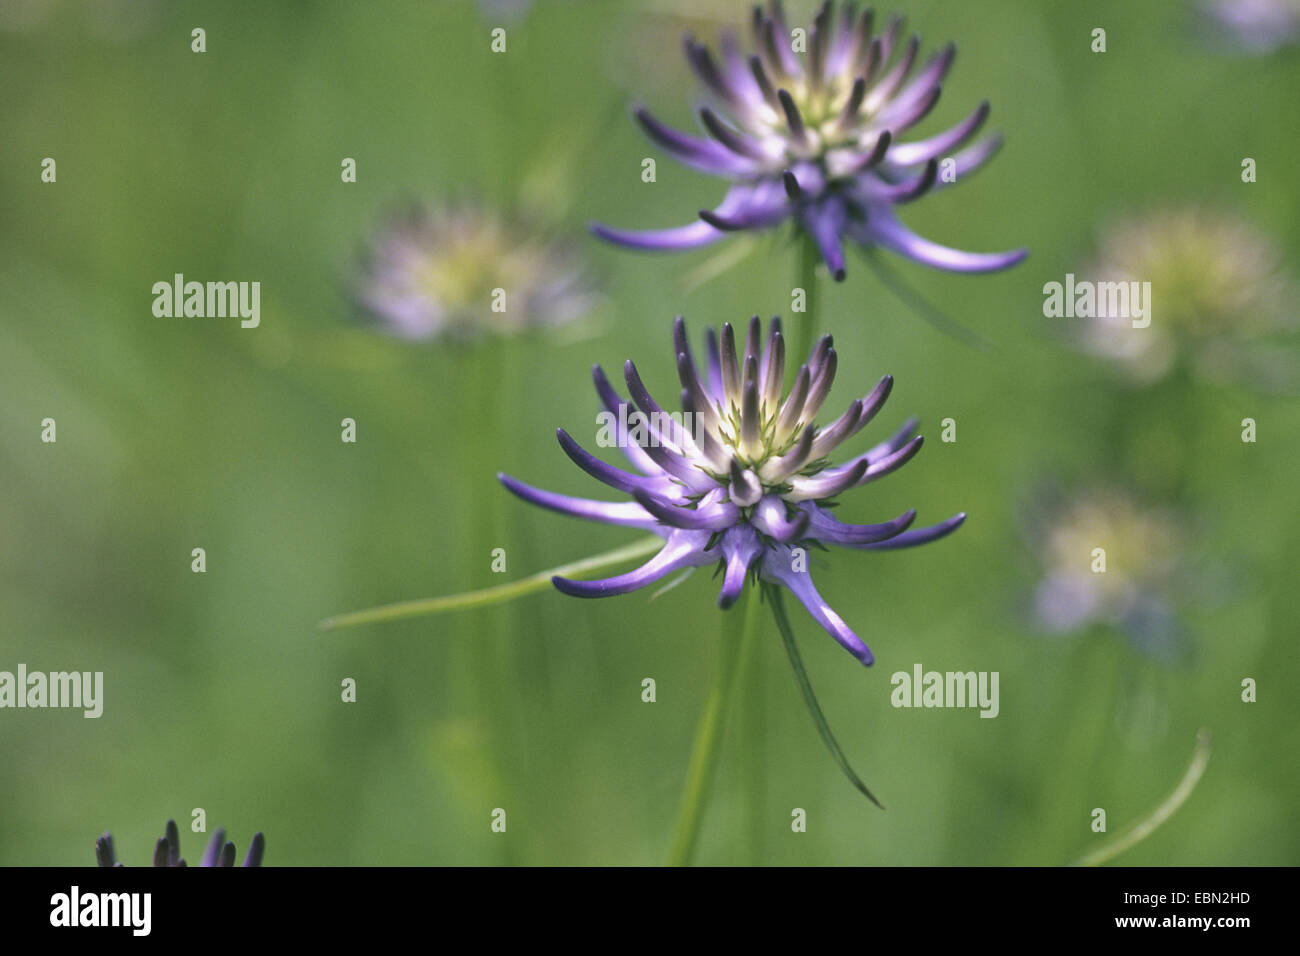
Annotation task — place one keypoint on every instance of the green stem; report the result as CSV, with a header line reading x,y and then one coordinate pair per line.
x,y
737,644
927,311
491,660
752,717
801,675
809,259
1147,825
493,595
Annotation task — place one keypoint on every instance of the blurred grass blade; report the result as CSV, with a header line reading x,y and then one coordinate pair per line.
x,y
823,728
1146,826
493,595
673,583
928,312
731,255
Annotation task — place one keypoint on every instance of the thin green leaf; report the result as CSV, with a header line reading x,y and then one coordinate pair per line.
x,y
823,728
673,583
731,255
493,595
927,311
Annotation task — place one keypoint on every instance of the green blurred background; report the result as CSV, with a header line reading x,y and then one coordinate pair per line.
x,y
221,692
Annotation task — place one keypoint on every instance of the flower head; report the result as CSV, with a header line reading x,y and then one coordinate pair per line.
x,y
1252,26
168,850
742,477
462,272
810,134
1107,560
1216,284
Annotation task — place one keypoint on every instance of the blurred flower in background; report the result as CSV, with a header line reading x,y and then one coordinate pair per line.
x,y
807,133
740,479
1129,584
1252,26
509,11
17,15
462,271
167,852
117,21
1218,290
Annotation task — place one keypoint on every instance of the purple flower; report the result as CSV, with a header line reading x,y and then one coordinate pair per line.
x,y
739,478
168,850
809,133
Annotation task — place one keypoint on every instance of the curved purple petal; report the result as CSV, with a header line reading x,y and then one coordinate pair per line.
x,y
885,229
741,548
910,539
602,472
872,190
888,84
716,517
732,139
858,415
702,154
825,223
975,156
748,209
629,514
720,82
678,466
895,441
879,467
714,366
689,376
105,855
738,74
777,566
698,233
256,850
910,154
922,86
778,469
770,517
212,855
793,118
898,116
825,527
828,483
658,422
621,410
682,549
